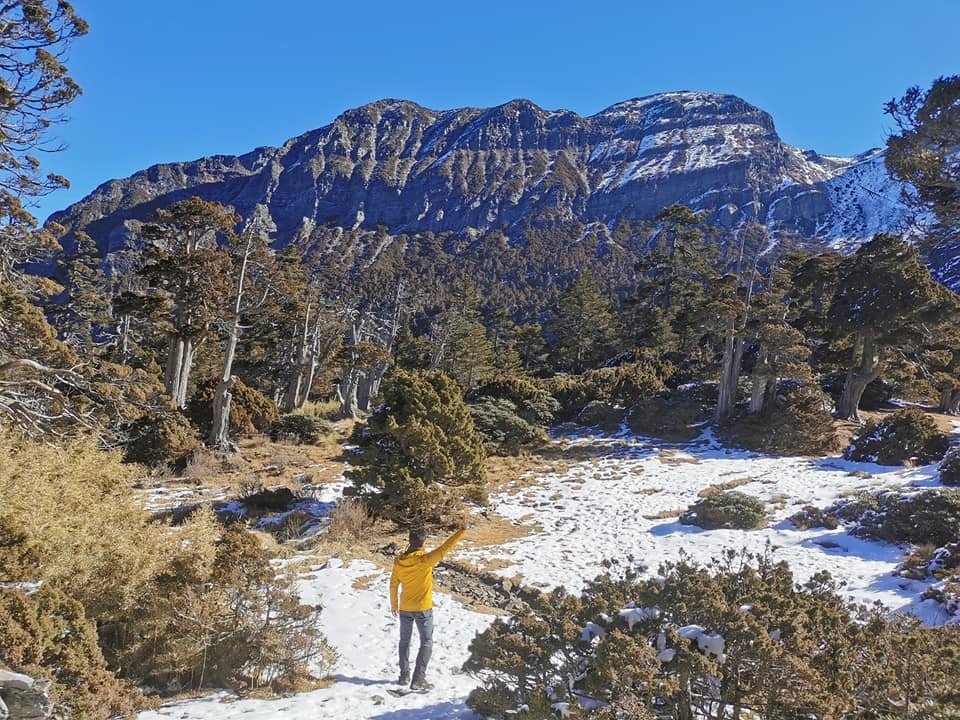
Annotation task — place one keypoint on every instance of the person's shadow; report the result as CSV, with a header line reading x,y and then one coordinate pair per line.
x,y
361,681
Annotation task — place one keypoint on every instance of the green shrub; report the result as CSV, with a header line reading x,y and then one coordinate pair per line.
x,y
300,429
929,516
671,417
48,636
504,431
739,636
602,415
631,382
533,403
250,410
419,454
904,435
730,509
161,438
813,517
950,468
797,425
572,393
622,385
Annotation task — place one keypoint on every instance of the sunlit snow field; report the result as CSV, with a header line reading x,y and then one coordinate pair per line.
x,y
619,503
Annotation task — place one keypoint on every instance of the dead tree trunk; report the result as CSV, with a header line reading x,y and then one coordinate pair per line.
x,y
179,365
860,375
350,383
949,401
220,428
297,362
729,375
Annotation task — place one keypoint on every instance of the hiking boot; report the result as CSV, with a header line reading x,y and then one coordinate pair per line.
x,y
404,678
421,685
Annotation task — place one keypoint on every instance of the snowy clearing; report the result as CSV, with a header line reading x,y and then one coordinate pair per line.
x,y
620,503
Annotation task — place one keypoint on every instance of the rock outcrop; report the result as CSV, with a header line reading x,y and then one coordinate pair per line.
x,y
23,698
397,164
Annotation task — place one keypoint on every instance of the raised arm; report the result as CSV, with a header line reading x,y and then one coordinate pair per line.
x,y
435,556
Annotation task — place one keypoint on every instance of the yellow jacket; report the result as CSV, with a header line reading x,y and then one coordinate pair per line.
x,y
414,572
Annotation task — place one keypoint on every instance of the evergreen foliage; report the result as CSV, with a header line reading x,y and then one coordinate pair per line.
x,y
675,416
250,410
929,516
740,635
159,438
923,152
904,435
585,328
950,468
419,454
796,424
504,431
302,429
176,609
726,509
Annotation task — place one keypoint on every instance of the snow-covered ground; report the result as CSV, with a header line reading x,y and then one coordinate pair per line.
x,y
614,507
617,504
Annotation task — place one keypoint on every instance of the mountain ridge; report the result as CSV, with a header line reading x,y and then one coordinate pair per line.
x,y
409,168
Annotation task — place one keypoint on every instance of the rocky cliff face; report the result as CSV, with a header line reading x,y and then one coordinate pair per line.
x,y
412,169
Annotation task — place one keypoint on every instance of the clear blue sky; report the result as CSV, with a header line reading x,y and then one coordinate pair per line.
x,y
179,79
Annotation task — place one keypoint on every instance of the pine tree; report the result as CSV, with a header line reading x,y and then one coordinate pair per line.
x,y
924,152
419,453
584,328
885,300
186,268
84,317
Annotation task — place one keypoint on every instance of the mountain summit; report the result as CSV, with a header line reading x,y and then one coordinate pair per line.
x,y
397,164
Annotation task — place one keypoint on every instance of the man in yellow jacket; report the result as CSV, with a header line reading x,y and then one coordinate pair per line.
x,y
413,572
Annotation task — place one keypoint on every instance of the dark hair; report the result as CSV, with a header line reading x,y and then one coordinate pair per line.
x,y
418,536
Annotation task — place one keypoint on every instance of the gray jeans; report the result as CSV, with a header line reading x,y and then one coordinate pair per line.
x,y
424,622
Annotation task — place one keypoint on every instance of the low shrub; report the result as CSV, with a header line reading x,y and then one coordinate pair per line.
x,y
726,510
250,410
350,522
572,393
602,415
904,435
671,417
533,403
174,609
929,516
740,636
622,385
797,425
950,468
813,517
300,429
47,635
503,430
161,438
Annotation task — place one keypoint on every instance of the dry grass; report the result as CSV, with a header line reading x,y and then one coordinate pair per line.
x,y
365,582
724,486
668,457
350,522
666,514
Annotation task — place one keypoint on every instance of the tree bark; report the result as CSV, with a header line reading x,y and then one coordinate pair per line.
x,y
297,364
729,375
220,428
859,376
177,372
